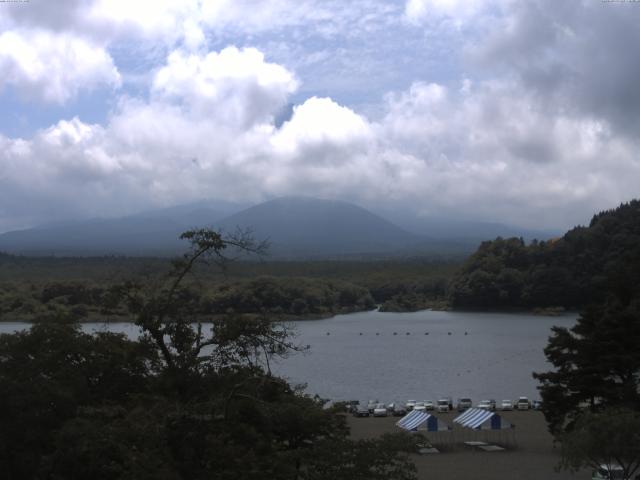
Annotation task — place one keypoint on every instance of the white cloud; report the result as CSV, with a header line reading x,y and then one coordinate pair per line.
x,y
528,131
236,86
319,122
53,67
417,11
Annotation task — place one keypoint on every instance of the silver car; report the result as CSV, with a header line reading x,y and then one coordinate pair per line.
x,y
380,410
506,405
420,406
485,405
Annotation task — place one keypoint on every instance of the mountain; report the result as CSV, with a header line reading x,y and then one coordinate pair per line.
x,y
296,227
154,232
309,227
464,231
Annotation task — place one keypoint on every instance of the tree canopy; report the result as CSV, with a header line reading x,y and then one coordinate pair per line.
x,y
184,401
610,438
572,271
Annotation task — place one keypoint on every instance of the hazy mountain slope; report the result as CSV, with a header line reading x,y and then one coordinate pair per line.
x,y
464,230
149,233
297,227
300,226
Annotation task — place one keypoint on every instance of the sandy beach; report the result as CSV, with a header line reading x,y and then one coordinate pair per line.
x,y
531,457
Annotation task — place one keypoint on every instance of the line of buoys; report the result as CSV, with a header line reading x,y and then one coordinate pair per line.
x,y
396,333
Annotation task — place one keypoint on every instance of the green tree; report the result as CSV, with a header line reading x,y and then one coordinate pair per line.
x,y
610,437
181,402
596,364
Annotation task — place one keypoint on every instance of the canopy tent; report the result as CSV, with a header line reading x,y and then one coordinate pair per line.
x,y
418,420
479,419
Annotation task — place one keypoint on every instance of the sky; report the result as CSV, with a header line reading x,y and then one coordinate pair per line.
x,y
523,112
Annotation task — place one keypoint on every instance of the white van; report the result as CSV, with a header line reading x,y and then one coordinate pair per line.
x,y
444,405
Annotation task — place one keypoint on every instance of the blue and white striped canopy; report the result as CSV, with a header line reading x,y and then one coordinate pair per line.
x,y
480,419
417,420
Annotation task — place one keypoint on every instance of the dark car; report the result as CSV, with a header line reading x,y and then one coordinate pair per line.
x,y
399,411
464,404
361,411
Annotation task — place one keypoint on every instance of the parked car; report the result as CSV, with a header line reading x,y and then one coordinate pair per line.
x,y
361,411
523,404
487,405
608,472
410,404
464,403
391,406
428,405
506,405
444,405
351,405
399,411
536,405
420,406
380,410
371,405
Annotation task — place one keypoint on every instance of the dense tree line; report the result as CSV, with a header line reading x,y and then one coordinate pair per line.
x,y
181,402
570,272
302,289
289,296
277,296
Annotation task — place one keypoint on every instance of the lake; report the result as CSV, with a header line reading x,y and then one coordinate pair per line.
x,y
432,354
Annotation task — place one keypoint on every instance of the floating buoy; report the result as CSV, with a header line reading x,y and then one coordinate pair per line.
x,y
395,333
449,333
360,333
465,333
377,333
408,333
426,333
328,333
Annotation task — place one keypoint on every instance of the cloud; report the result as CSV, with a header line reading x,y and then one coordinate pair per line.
x,y
577,57
53,67
236,86
417,11
533,125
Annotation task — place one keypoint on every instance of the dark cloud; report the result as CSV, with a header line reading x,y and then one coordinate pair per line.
x,y
578,57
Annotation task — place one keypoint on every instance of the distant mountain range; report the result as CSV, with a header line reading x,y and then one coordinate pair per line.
x,y
296,227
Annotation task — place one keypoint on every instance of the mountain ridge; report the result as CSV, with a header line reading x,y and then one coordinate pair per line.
x,y
297,227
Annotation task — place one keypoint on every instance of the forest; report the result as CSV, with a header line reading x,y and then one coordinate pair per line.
x,y
81,288
570,272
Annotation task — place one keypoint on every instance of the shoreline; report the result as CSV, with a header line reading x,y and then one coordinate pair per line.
x,y
327,316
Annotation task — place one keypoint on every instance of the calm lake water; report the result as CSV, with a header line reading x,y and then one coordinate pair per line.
x,y
357,356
